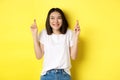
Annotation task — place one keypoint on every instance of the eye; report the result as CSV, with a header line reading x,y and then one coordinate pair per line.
x,y
59,17
51,17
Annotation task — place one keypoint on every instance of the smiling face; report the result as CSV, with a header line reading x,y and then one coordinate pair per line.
x,y
55,20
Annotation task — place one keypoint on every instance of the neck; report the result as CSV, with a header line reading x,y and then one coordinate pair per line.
x,y
56,32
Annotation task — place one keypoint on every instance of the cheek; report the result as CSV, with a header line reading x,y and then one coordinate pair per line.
x,y
50,20
60,21
50,24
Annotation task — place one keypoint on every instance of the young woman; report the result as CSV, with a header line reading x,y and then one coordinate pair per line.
x,y
58,44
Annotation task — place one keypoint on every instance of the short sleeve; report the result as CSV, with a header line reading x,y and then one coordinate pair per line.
x,y
71,40
41,37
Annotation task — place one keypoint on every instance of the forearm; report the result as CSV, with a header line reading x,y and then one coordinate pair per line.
x,y
37,48
74,48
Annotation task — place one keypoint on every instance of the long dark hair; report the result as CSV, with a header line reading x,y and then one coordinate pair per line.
x,y
63,28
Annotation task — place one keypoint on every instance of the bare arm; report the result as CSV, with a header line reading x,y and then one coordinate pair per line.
x,y
38,48
74,48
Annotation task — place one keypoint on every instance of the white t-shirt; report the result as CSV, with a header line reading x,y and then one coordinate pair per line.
x,y
56,50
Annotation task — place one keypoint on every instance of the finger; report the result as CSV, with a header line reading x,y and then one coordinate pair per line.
x,y
78,26
34,21
75,28
78,29
77,22
33,26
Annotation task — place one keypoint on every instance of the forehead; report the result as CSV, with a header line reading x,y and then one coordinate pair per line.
x,y
55,13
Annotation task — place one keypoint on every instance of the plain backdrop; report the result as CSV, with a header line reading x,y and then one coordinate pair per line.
x,y
99,42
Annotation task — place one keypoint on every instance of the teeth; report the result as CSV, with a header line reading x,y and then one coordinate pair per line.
x,y
56,24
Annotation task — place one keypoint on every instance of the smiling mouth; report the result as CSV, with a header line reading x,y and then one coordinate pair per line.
x,y
55,24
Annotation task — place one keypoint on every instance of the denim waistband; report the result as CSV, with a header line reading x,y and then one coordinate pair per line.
x,y
55,70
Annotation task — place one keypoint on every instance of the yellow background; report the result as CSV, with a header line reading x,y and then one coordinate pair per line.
x,y
99,47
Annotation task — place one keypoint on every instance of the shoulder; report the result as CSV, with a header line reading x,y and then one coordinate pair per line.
x,y
43,32
69,31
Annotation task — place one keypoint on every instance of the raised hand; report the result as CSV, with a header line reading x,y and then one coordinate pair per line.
x,y
34,28
77,29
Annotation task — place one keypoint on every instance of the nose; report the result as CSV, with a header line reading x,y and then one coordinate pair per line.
x,y
56,20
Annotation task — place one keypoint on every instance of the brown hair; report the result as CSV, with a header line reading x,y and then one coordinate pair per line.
x,y
63,28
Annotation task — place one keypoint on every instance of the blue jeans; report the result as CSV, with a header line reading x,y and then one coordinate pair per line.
x,y
56,74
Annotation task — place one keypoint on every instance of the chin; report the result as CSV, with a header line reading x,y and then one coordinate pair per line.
x,y
56,27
